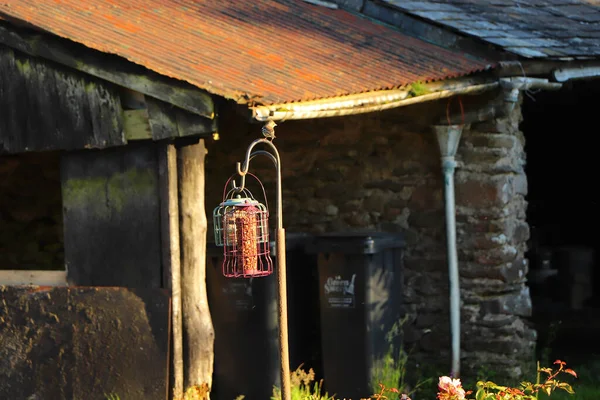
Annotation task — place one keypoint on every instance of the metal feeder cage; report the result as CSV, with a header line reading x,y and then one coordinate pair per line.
x,y
241,226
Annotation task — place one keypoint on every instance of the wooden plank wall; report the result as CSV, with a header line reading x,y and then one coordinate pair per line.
x,y
111,216
48,107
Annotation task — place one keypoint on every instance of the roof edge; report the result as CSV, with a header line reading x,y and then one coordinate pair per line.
x,y
123,72
372,101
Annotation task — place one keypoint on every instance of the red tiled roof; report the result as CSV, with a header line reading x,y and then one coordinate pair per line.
x,y
262,51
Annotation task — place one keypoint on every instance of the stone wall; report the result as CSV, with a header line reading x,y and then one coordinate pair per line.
x,y
382,172
491,186
31,235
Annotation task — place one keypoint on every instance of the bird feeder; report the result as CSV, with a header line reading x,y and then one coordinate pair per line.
x,y
242,228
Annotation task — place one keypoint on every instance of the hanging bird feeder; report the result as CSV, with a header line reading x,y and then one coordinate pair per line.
x,y
241,225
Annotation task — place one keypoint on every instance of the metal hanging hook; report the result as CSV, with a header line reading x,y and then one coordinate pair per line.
x,y
268,131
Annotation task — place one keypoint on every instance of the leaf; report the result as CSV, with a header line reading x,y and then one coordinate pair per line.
x,y
570,372
546,370
561,363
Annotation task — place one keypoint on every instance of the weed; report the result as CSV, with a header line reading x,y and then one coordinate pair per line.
x,y
112,396
390,371
303,387
418,89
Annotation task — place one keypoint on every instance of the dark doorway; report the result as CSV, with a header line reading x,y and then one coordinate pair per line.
x,y
561,133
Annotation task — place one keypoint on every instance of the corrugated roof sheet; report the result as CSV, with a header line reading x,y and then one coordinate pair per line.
x,y
550,29
262,51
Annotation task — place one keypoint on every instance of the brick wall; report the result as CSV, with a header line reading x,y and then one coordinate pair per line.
x,y
382,172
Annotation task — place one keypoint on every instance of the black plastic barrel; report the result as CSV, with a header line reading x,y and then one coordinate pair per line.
x,y
245,320
360,290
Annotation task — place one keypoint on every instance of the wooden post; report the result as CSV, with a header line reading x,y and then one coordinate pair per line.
x,y
199,333
171,255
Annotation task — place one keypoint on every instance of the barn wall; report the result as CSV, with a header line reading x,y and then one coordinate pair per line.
x,y
31,224
382,172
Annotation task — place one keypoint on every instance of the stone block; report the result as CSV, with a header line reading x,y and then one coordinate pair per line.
x,y
435,340
480,241
520,184
507,345
491,141
427,219
427,198
377,201
499,125
515,271
521,232
494,256
490,161
411,334
386,184
483,191
426,265
516,303
428,320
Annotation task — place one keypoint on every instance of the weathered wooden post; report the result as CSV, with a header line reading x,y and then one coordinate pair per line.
x,y
199,333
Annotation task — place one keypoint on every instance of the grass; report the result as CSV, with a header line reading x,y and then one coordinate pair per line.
x,y
303,387
391,370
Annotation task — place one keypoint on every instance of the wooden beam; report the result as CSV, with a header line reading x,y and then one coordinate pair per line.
x,y
167,121
169,211
49,107
111,68
136,125
197,322
34,277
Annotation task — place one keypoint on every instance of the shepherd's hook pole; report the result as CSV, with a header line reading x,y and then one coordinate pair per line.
x,y
286,388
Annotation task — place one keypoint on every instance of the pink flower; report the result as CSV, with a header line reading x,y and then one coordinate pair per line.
x,y
450,389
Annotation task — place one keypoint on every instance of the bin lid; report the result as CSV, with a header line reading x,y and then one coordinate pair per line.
x,y
355,242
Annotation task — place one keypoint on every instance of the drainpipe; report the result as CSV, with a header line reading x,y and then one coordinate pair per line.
x,y
566,74
448,137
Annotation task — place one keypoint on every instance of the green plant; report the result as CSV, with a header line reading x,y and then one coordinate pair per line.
x,y
451,389
391,370
112,396
528,391
303,387
418,89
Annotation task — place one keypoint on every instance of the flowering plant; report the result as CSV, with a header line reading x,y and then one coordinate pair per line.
x,y
451,389
527,391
